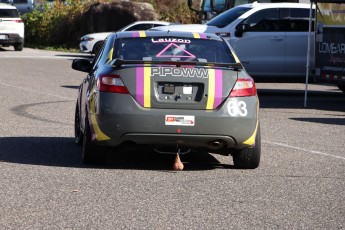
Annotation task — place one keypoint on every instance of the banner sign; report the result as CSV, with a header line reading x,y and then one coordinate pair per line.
x,y
330,41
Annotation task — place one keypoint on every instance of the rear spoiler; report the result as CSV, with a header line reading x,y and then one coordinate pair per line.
x,y
119,62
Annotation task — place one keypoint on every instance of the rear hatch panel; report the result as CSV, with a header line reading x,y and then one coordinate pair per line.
x,y
171,87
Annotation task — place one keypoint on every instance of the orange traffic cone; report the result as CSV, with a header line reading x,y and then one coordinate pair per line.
x,y
178,165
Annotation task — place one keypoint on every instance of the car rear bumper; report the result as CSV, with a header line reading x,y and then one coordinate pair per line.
x,y
212,142
119,119
11,39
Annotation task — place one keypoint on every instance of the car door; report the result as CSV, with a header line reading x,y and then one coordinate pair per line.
x,y
261,45
297,42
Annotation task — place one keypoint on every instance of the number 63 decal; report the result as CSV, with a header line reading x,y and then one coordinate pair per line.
x,y
237,108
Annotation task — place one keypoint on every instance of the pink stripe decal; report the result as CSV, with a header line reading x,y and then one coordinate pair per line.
x,y
203,36
139,95
135,34
177,47
218,94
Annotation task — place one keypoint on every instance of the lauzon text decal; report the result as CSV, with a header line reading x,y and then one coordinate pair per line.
x,y
179,72
175,40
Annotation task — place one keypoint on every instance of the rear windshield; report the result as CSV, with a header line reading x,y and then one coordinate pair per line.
x,y
173,49
227,17
8,13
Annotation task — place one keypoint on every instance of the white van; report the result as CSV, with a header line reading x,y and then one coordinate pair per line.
x,y
271,39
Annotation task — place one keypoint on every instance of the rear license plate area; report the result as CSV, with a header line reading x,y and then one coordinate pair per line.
x,y
179,92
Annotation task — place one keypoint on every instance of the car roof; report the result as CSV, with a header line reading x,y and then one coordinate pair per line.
x,y
6,6
276,4
163,23
144,22
256,6
178,34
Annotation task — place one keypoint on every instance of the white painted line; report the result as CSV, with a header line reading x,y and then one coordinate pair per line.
x,y
37,91
304,150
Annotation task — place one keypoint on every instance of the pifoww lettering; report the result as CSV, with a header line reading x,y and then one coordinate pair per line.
x,y
179,72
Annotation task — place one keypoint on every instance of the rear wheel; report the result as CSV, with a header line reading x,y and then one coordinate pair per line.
x,y
97,47
249,158
18,46
342,87
91,153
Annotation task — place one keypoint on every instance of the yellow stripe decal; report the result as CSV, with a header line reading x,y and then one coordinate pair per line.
x,y
235,56
147,87
251,139
196,35
110,55
99,135
142,34
211,89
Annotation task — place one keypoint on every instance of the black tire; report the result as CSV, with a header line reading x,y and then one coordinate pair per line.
x,y
97,47
91,154
249,158
341,87
78,135
18,46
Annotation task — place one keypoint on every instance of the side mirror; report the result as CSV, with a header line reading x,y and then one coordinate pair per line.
x,y
241,28
82,65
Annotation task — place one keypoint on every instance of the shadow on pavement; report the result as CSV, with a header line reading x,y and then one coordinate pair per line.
x,y
63,152
7,49
333,100
327,121
70,86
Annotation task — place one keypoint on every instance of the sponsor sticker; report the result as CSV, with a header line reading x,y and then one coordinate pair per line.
x,y
179,120
169,40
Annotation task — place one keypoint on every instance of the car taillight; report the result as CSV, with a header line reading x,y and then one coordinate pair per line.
x,y
243,87
112,84
19,21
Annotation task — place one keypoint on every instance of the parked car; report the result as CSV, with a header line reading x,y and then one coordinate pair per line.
x,y
171,92
24,6
11,27
6,1
27,6
91,43
271,39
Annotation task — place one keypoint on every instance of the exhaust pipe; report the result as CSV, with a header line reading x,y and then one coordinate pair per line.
x,y
217,144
